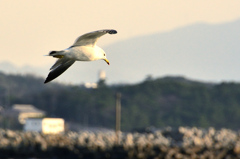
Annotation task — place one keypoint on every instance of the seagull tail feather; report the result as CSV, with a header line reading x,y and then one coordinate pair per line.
x,y
57,54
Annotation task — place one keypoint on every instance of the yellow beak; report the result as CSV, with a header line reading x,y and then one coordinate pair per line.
x,y
106,60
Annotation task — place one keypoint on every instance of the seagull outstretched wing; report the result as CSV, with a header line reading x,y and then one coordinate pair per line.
x,y
58,68
92,37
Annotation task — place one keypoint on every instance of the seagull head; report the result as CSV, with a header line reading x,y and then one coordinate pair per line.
x,y
104,57
101,55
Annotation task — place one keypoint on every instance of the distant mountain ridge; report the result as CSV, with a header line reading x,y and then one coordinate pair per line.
x,y
200,51
10,68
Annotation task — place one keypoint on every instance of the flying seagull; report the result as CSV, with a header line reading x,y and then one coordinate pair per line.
x,y
83,49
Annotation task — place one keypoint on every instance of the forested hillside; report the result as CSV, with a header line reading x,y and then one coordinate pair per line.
x,y
169,101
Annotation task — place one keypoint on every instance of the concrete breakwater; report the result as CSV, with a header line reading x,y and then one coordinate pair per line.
x,y
169,143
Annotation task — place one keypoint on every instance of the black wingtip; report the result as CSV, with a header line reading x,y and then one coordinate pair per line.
x,y
112,32
46,81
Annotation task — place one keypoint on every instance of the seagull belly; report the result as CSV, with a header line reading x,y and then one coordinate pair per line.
x,y
81,53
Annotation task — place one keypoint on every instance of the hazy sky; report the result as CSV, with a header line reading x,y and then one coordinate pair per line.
x,y
30,29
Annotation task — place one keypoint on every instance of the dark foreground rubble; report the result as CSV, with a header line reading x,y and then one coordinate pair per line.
x,y
181,143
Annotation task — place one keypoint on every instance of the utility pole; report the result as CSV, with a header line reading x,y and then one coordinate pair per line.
x,y
118,117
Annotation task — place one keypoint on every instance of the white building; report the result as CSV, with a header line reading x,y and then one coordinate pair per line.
x,y
22,112
45,125
101,76
91,85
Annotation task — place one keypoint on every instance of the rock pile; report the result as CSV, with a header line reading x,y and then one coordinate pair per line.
x,y
167,143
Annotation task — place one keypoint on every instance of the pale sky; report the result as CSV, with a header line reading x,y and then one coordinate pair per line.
x,y
30,29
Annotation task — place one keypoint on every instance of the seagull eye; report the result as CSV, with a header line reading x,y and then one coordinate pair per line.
x,y
104,54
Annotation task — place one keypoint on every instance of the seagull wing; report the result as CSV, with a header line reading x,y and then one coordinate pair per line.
x,y
92,37
58,68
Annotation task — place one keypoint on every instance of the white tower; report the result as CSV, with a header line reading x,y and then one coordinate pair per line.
x,y
102,75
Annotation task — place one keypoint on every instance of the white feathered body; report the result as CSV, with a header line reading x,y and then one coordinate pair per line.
x,y
82,53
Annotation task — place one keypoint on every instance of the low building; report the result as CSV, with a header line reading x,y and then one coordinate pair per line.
x,y
23,112
45,125
91,85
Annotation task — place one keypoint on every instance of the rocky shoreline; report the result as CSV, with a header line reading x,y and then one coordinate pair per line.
x,y
167,143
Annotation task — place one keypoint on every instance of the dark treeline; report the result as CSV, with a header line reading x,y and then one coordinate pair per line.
x,y
169,101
